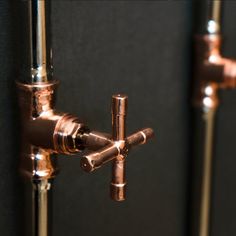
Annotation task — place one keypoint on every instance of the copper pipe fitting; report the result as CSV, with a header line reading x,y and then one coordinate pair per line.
x,y
118,149
211,68
46,132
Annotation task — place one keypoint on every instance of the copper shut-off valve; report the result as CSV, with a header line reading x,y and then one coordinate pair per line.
x,y
46,132
117,149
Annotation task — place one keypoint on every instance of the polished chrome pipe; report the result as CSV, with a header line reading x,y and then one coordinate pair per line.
x,y
41,207
211,72
214,17
208,16
203,147
40,44
39,72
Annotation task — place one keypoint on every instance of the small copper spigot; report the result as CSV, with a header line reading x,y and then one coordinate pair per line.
x,y
117,149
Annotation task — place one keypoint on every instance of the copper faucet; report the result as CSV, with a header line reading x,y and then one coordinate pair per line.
x,y
46,132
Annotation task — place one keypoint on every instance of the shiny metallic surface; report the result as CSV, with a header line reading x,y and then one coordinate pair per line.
x,y
214,17
95,160
46,132
141,137
117,148
119,109
37,165
206,185
65,135
93,140
210,66
41,67
36,108
118,182
38,120
40,207
212,72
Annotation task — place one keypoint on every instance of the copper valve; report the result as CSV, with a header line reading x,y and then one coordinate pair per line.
x,y
118,149
46,132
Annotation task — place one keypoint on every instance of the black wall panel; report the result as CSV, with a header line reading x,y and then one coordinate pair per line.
x,y
142,48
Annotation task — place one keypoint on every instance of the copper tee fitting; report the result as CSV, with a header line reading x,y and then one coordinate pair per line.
x,y
46,132
211,68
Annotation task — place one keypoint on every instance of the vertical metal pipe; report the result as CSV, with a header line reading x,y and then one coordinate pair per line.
x,y
38,191
41,72
208,77
208,16
40,48
204,118
40,206
209,118
214,17
36,164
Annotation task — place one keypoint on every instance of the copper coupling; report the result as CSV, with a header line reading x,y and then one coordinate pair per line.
x,y
212,71
46,132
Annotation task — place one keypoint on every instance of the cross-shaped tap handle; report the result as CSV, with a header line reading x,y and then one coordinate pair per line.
x,y
118,149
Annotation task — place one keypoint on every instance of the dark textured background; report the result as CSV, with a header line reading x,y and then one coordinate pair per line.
x,y
142,48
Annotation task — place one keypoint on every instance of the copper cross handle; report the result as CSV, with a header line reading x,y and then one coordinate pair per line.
x,y
118,149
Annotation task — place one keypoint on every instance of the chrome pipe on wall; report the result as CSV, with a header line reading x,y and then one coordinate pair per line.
x,y
211,72
40,41
46,132
38,190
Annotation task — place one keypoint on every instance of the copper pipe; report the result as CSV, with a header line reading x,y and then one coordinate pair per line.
x,y
211,72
